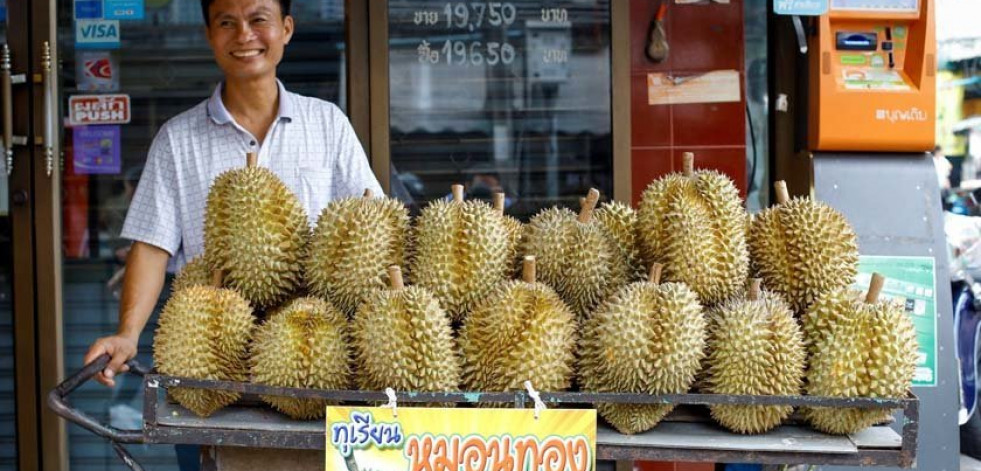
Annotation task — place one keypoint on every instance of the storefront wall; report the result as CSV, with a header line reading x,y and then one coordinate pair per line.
x,y
542,103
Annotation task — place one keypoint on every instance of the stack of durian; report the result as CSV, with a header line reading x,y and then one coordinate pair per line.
x,y
655,301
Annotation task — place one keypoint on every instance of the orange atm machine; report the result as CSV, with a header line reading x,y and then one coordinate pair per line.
x,y
873,77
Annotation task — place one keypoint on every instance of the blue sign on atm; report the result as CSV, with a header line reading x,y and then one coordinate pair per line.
x,y
800,7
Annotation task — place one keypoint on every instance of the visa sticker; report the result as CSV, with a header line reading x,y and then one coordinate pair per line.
x,y
97,34
124,9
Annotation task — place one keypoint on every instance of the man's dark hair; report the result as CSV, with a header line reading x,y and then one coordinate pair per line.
x,y
284,7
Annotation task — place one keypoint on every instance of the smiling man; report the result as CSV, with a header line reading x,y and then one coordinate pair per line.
x,y
307,142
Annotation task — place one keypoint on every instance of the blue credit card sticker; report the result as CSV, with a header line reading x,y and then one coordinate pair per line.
x,y
88,9
96,149
124,9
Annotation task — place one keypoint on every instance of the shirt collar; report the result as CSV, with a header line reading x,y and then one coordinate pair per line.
x,y
220,115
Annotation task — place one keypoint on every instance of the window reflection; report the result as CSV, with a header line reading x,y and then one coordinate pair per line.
x,y
511,96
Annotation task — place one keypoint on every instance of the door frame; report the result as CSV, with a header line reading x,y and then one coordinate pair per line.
x,y
22,236
53,447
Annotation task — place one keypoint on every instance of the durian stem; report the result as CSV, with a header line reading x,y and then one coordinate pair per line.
x,y
368,194
217,278
395,277
783,195
655,275
586,213
251,159
688,164
875,287
499,202
457,193
528,269
754,289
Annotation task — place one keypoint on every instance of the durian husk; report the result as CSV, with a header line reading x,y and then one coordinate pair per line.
x,y
197,272
256,232
647,338
576,256
204,333
403,339
522,331
755,348
305,345
825,312
871,352
352,246
802,248
461,252
620,221
694,223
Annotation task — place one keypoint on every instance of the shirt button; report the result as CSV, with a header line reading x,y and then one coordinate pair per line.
x,y
252,143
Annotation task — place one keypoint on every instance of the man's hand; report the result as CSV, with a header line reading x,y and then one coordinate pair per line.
x,y
120,348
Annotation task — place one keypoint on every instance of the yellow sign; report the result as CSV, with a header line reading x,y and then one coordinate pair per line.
x,y
431,439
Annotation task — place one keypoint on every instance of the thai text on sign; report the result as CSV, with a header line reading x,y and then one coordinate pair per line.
x,y
98,109
430,439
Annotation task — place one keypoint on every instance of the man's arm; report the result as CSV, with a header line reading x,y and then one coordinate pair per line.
x,y
146,267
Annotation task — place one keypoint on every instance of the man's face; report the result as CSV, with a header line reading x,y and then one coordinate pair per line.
x,y
248,36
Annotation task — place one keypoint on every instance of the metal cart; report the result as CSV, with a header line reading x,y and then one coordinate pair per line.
x,y
695,440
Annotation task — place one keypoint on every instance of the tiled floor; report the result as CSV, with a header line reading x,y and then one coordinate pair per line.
x,y
970,464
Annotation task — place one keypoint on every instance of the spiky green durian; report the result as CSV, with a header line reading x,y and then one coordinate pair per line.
x,y
755,348
204,333
197,272
256,232
515,230
802,248
352,246
647,338
576,256
522,331
694,223
869,352
304,345
402,339
461,252
620,220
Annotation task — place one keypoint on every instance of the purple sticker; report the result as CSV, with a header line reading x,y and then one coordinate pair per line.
x,y
96,149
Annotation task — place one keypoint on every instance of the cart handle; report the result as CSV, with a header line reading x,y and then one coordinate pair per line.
x,y
59,404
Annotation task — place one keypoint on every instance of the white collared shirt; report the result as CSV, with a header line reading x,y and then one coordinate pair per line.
x,y
311,146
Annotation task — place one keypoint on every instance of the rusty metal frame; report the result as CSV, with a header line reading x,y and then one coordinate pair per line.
x,y
155,432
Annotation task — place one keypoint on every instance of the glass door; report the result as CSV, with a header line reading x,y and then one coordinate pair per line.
x,y
151,59
510,96
8,403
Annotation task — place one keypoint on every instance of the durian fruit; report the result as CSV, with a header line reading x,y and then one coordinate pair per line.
x,y
522,331
869,352
514,227
755,348
620,220
576,256
461,252
647,338
196,272
802,248
825,312
204,333
352,246
695,224
304,345
403,339
256,231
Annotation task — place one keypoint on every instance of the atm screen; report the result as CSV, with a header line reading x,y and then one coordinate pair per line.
x,y
884,6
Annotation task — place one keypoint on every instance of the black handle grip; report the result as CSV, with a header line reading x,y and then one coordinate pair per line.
x,y
57,401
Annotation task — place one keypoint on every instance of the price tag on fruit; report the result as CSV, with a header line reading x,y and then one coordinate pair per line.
x,y
432,439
